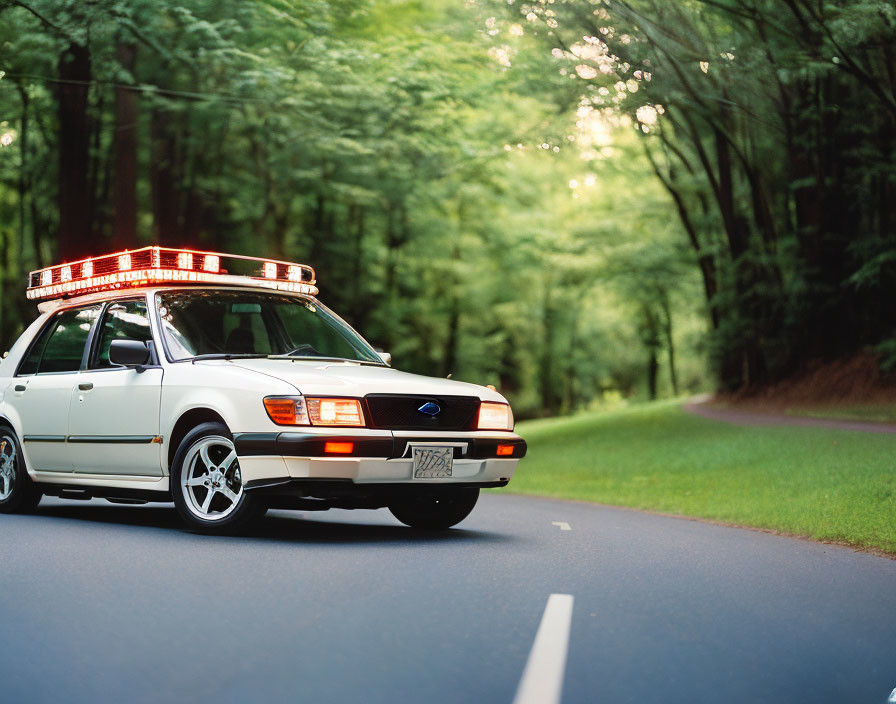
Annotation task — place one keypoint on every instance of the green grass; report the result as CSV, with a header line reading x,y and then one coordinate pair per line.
x,y
828,485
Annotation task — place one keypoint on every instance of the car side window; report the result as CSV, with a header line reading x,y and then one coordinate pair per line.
x,y
125,320
60,346
31,362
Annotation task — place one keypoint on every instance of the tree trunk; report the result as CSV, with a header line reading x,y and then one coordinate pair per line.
x,y
75,197
704,258
670,344
570,395
549,395
651,339
653,370
360,306
453,342
3,279
395,237
24,178
162,178
737,239
124,145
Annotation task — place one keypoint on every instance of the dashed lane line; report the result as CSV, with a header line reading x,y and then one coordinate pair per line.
x,y
542,681
563,525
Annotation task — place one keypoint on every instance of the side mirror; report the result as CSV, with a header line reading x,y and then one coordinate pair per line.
x,y
385,356
128,353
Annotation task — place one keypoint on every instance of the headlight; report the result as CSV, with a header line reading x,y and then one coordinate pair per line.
x,y
494,416
297,410
335,411
287,410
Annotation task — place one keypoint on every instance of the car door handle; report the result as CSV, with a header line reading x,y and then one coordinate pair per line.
x,y
85,387
20,387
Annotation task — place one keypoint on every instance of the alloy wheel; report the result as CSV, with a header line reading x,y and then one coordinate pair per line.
x,y
211,483
8,455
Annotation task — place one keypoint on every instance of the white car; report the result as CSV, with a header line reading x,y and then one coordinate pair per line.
x,y
169,375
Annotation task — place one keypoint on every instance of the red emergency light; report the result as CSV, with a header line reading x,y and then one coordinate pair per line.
x,y
154,266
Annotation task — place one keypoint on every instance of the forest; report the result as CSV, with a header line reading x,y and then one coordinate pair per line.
x,y
575,201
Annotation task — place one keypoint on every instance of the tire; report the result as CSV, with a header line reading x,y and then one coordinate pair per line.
x,y
18,493
436,510
206,484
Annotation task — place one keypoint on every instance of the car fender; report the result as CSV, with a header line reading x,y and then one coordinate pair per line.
x,y
233,393
10,417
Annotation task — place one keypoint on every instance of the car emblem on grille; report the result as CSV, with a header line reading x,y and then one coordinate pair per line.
x,y
430,408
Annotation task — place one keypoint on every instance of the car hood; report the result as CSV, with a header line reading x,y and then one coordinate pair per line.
x,y
318,378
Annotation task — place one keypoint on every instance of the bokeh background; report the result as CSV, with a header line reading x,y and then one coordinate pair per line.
x,y
575,201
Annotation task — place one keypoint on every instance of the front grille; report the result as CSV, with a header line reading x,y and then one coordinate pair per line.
x,y
401,412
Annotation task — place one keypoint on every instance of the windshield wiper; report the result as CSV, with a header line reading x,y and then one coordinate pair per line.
x,y
315,358
227,355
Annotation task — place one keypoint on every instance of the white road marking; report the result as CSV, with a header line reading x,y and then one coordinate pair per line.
x,y
563,525
542,681
892,697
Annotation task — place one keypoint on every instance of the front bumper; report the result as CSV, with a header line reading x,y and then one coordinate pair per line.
x,y
378,457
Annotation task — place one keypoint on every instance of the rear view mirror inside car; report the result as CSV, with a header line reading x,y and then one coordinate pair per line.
x,y
245,308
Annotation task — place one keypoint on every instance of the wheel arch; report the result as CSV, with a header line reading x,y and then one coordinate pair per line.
x,y
8,416
187,421
12,420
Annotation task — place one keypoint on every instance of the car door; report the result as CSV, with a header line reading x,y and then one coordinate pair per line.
x,y
113,420
43,385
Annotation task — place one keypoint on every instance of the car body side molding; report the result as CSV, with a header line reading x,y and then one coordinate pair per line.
x,y
115,439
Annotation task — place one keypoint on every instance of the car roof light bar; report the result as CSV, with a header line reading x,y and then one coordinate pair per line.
x,y
151,266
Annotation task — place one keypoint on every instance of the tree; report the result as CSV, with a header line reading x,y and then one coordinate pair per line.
x,y
422,170
770,125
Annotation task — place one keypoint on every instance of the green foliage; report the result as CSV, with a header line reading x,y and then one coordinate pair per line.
x,y
771,126
570,200
420,156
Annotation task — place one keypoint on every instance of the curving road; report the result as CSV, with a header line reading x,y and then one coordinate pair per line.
x,y
737,415
104,603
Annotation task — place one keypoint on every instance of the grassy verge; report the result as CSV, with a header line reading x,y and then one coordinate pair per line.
x,y
825,484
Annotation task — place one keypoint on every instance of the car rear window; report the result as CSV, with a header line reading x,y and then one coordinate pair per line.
x,y
60,346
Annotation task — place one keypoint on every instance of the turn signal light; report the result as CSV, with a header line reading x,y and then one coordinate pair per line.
x,y
494,416
505,450
339,448
335,411
298,410
286,410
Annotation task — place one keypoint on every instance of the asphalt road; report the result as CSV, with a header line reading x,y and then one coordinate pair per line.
x,y
103,603
702,406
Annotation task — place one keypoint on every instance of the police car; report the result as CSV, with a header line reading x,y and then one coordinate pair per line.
x,y
221,383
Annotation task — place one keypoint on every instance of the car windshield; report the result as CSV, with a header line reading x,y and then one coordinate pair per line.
x,y
220,323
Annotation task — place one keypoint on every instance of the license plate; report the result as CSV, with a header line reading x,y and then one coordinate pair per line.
x,y
433,462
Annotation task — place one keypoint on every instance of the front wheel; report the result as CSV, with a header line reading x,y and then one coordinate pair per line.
x,y
436,510
207,485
